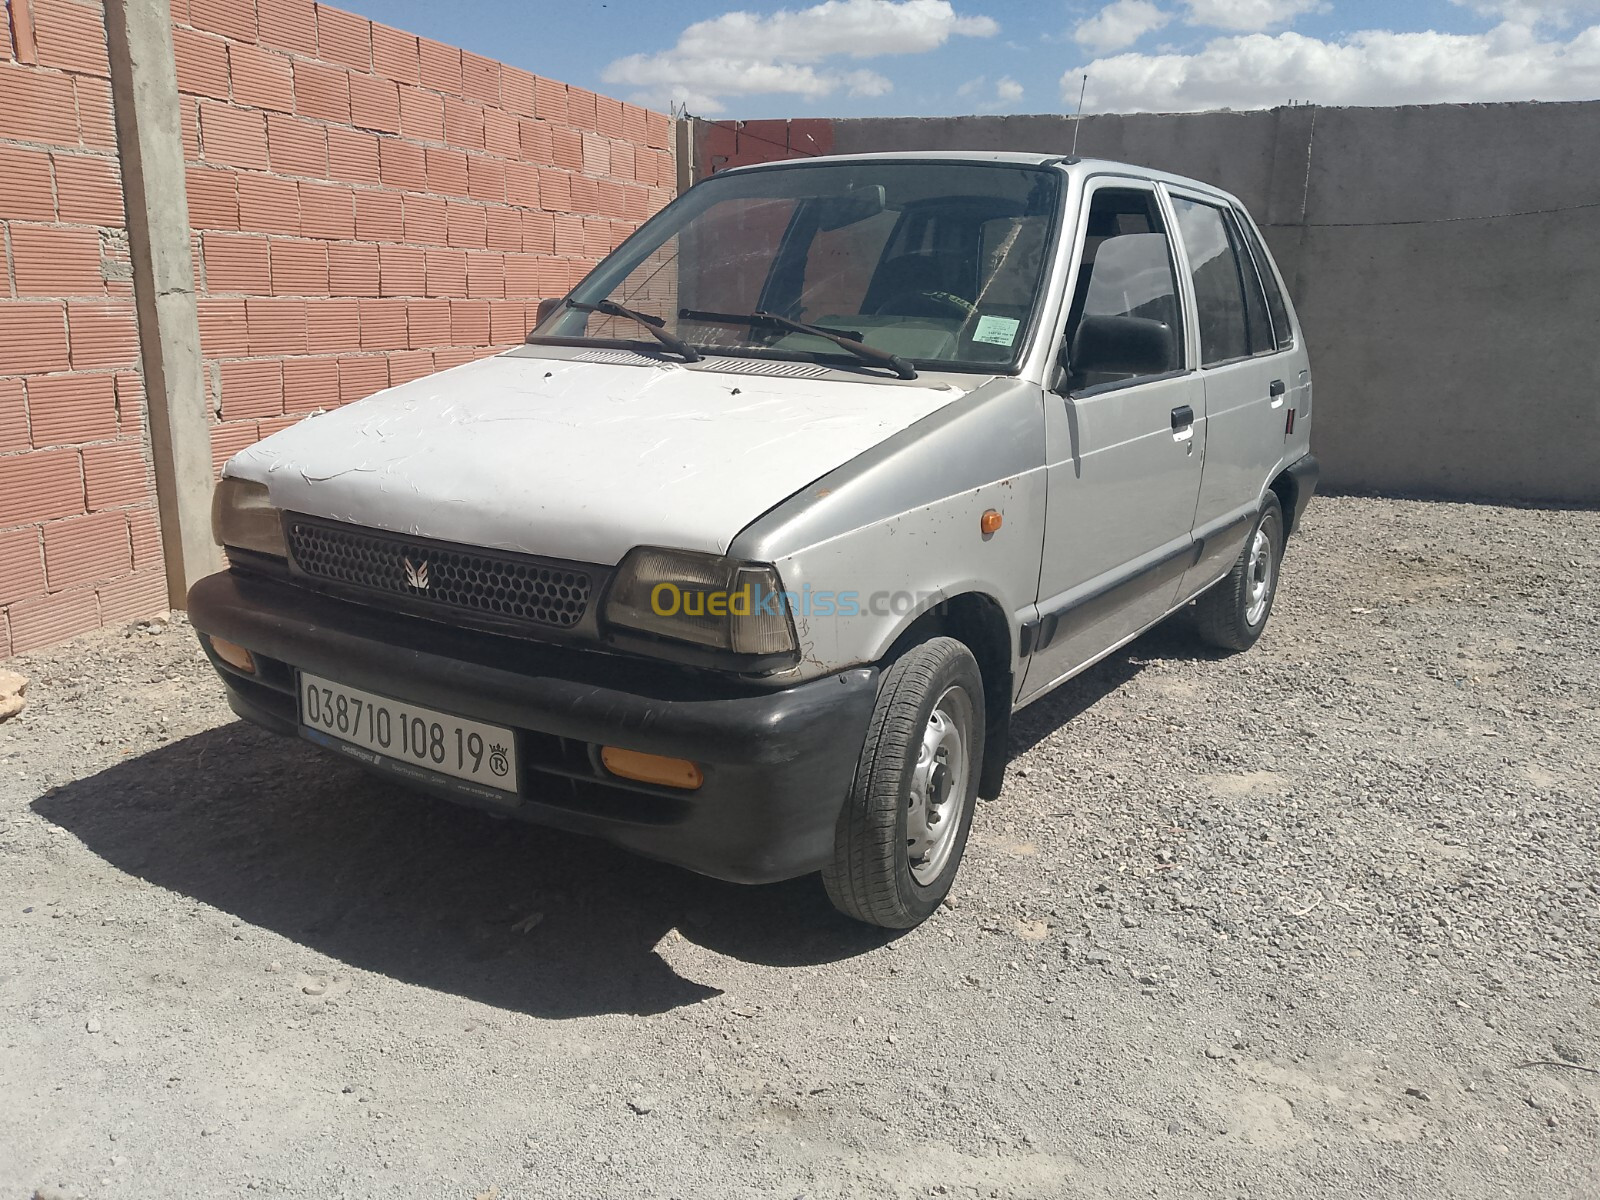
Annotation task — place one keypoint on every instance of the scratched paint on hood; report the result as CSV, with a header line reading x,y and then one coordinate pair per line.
x,y
576,460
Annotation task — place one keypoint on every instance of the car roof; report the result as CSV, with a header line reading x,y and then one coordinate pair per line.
x,y
1077,166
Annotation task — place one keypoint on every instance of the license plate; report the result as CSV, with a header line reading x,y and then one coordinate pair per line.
x,y
408,734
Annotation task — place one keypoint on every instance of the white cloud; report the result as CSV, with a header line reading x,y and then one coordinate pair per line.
x,y
866,83
1248,16
1004,93
745,54
1533,12
859,28
1510,62
1120,24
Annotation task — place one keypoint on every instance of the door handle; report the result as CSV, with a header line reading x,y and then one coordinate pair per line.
x,y
1183,427
1276,391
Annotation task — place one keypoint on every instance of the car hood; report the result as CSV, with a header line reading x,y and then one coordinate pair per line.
x,y
581,460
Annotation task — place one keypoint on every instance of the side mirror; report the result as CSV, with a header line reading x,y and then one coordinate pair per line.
x,y
1123,346
548,308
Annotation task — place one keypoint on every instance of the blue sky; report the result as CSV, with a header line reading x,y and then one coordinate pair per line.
x,y
848,58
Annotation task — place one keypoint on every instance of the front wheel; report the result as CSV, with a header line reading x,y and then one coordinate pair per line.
x,y
902,832
1232,614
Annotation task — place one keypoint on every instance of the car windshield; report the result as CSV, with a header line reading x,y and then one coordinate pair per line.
x,y
934,263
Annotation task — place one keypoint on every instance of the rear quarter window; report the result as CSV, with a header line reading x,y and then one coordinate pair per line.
x,y
1282,328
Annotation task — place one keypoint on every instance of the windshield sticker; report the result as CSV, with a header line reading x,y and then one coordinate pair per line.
x,y
997,331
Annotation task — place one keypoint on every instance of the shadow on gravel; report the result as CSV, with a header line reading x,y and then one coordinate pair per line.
x,y
1172,639
294,841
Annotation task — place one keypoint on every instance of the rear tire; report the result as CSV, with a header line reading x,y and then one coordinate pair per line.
x,y
903,830
1232,614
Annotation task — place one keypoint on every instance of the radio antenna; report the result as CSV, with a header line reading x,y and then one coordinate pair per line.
x,y
1078,120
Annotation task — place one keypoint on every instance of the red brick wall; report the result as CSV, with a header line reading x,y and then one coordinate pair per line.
x,y
723,144
367,206
79,544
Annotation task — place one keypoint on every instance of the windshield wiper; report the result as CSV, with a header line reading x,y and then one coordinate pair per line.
x,y
857,347
655,326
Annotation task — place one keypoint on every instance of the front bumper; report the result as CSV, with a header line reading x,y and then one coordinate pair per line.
x,y
777,763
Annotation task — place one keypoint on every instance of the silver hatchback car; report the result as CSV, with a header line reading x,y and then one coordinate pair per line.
x,y
745,559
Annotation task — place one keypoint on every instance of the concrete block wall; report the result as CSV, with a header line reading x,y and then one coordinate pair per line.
x,y
1445,261
367,207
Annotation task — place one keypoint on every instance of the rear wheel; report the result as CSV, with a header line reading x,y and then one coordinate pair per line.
x,y
903,830
1232,614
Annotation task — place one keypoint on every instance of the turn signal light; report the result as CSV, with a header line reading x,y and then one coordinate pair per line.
x,y
652,768
234,656
990,522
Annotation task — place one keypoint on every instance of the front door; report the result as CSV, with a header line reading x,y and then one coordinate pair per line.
x,y
1124,444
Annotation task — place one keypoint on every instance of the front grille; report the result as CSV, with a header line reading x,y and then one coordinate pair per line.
x,y
500,586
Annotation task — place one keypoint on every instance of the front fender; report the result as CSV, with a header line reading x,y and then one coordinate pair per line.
x,y
866,550
854,595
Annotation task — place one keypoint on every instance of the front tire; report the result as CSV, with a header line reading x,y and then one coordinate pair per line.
x,y
903,830
1232,614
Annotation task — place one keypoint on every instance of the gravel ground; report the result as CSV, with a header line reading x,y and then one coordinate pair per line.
x,y
1293,923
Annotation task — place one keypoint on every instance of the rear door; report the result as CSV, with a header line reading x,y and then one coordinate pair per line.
x,y
1250,379
1123,449
1289,342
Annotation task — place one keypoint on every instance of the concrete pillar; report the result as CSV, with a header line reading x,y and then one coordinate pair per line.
x,y
144,90
685,144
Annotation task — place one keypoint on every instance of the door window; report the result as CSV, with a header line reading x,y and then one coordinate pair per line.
x,y
1218,286
1123,323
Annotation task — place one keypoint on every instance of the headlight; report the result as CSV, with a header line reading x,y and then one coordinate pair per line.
x,y
718,602
242,518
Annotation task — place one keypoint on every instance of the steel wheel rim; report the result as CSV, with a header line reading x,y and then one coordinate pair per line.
x,y
938,792
1258,577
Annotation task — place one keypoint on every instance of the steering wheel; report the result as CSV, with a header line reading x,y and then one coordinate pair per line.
x,y
919,303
